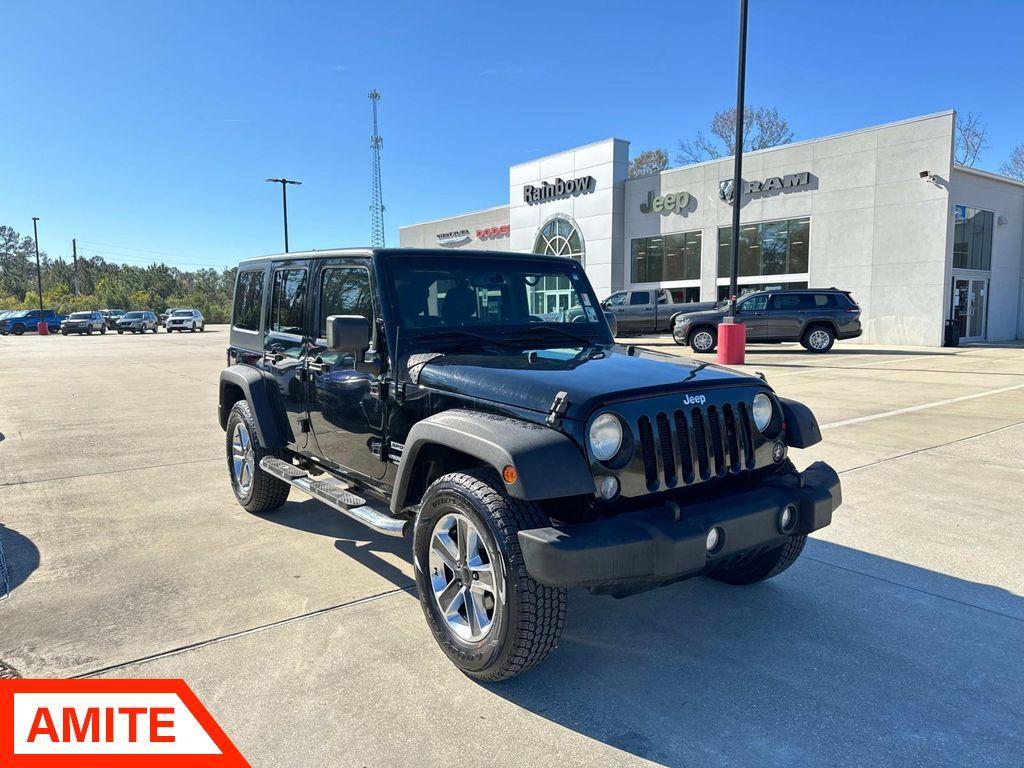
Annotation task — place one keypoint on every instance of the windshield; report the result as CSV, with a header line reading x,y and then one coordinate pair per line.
x,y
181,313
80,315
133,316
484,294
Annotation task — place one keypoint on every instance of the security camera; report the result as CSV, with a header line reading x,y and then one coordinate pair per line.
x,y
925,174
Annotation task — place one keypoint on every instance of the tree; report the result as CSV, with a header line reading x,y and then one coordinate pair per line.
x,y
971,139
1015,165
763,127
647,162
17,263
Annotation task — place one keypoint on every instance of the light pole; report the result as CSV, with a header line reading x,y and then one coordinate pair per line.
x,y
284,203
41,327
732,336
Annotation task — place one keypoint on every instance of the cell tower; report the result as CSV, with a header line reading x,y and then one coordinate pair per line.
x,y
376,196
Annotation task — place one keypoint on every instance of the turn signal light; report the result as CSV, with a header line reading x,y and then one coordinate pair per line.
x,y
509,474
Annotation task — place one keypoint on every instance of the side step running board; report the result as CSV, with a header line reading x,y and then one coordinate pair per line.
x,y
335,494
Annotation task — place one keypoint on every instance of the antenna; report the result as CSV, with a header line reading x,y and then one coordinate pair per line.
x,y
376,196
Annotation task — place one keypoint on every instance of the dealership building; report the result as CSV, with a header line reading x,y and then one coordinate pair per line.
x,y
882,212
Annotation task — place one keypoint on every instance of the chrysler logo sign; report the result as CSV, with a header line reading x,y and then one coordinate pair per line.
x,y
727,189
558,188
455,237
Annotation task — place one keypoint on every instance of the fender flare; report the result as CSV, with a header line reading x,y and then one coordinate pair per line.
x,y
260,390
549,463
802,430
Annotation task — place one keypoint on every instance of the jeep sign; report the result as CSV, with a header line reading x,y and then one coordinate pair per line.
x,y
558,188
676,202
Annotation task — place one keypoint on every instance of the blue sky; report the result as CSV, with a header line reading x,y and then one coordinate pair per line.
x,y
146,128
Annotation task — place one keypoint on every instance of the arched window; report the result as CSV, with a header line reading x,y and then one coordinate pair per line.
x,y
559,237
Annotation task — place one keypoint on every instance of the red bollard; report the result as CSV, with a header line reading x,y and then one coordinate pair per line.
x,y
43,329
732,342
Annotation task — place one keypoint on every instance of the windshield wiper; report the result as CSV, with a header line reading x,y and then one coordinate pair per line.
x,y
567,334
462,332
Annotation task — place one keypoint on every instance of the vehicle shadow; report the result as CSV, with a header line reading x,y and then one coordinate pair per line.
x,y
19,557
352,539
848,658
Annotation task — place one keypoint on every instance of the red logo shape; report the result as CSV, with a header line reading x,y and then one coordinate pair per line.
x,y
109,724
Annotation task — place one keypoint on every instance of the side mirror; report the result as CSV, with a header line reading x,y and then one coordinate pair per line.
x,y
348,333
612,322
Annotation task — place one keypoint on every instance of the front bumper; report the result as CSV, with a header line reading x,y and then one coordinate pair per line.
x,y
666,543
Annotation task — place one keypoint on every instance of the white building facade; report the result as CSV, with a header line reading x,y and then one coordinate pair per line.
x,y
882,212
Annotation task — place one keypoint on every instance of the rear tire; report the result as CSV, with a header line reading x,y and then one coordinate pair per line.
x,y
18,329
818,339
761,566
704,339
255,490
485,574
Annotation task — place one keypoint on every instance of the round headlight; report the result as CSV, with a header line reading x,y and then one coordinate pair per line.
x,y
605,436
762,411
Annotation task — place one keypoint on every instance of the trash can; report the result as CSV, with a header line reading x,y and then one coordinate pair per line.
x,y
951,337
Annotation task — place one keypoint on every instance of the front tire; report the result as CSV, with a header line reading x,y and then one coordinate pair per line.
x,y
255,490
704,339
119,331
490,617
103,330
762,566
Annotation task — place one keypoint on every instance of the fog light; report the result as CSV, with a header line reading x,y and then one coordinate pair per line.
x,y
714,540
787,518
609,487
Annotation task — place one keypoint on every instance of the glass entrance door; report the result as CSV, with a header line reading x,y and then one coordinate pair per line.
x,y
970,306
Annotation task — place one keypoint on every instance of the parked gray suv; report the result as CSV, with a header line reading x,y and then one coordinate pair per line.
x,y
814,317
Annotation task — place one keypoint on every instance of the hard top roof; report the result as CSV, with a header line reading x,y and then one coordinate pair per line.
x,y
415,252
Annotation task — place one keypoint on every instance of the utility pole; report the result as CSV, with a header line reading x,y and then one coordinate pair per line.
x,y
74,255
42,328
376,195
284,204
732,335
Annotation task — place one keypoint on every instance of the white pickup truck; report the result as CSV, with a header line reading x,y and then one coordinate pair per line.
x,y
652,310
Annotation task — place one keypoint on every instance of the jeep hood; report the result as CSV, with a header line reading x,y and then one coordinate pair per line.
x,y
591,377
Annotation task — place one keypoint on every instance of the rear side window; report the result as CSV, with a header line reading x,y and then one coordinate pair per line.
x,y
788,301
344,291
288,301
248,300
639,297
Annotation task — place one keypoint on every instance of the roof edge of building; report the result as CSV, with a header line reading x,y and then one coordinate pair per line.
x,y
455,216
571,149
802,142
988,175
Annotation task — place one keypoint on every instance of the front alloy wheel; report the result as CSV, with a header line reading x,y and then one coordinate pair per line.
x,y
462,577
490,617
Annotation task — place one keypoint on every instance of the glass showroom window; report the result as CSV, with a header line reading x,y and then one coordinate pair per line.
x,y
767,248
972,238
558,237
663,258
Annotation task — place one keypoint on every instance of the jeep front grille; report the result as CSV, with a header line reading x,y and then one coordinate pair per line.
x,y
695,444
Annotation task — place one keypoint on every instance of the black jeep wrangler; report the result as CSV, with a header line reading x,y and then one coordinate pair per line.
x,y
428,393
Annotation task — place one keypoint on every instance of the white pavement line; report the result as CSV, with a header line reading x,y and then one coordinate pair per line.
x,y
922,407
820,368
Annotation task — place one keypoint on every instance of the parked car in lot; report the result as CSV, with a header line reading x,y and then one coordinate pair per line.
x,y
815,317
168,313
111,316
138,322
416,392
21,320
650,310
84,322
185,320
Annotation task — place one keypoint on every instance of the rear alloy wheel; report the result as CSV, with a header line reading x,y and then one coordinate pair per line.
x,y
490,617
818,339
704,340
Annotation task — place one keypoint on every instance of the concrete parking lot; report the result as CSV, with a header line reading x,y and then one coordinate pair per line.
x,y
895,640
